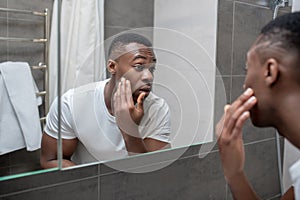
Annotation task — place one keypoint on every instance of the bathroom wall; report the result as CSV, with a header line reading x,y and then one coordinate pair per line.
x,y
23,26
189,177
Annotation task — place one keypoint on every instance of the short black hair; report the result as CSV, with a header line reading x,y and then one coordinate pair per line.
x,y
284,31
127,38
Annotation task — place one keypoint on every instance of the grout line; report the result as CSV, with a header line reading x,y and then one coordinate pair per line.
x,y
232,47
259,141
275,196
254,5
47,186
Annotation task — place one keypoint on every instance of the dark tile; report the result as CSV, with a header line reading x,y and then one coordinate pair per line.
x,y
264,3
248,21
188,178
3,51
46,178
3,27
38,76
276,197
3,4
222,94
110,31
138,14
24,156
34,5
146,162
26,29
252,133
5,165
22,161
237,87
262,169
81,189
224,36
4,160
32,53
5,171
271,4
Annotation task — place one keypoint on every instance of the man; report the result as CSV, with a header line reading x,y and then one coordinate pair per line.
x,y
112,118
271,98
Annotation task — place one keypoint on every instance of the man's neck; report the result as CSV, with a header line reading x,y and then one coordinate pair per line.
x,y
289,121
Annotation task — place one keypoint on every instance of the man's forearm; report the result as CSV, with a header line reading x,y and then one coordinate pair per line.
x,y
54,163
241,188
134,144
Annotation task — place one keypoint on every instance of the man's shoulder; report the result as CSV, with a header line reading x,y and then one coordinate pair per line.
x,y
87,88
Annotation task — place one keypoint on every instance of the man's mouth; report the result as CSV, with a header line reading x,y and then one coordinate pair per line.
x,y
145,89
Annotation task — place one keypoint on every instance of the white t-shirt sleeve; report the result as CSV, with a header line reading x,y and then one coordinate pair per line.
x,y
156,123
51,128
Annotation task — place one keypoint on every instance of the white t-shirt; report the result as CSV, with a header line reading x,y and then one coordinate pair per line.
x,y
295,175
84,115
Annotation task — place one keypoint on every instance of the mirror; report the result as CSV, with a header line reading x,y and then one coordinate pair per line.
x,y
184,45
195,25
24,40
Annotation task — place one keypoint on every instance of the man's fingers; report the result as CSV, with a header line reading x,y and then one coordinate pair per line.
x,y
220,125
242,98
226,107
117,98
140,101
237,131
122,91
246,106
129,94
242,104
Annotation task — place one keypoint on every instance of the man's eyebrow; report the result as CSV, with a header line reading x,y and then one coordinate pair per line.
x,y
138,57
142,57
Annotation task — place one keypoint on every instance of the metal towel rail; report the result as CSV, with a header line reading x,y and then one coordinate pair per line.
x,y
43,65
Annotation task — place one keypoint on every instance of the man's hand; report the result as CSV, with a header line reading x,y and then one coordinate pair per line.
x,y
128,116
231,147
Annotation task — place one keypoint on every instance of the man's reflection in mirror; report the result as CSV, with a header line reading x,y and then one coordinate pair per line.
x,y
113,118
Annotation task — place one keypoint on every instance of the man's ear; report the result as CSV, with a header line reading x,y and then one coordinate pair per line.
x,y
271,72
111,66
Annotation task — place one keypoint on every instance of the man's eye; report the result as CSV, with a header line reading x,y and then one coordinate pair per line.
x,y
139,67
152,69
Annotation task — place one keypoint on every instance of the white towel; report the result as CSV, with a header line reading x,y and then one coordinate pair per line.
x,y
19,117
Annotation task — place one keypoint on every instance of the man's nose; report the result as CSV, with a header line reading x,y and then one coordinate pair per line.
x,y
147,76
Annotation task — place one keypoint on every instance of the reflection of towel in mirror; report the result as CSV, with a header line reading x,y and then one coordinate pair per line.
x,y
19,117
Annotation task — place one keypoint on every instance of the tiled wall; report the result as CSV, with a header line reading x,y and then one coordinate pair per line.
x,y
188,177
22,26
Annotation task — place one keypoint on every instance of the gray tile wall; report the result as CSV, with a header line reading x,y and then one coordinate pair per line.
x,y
24,26
189,177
